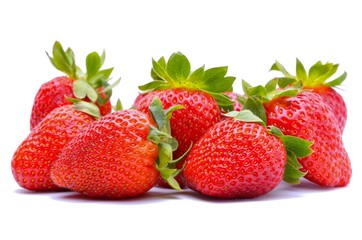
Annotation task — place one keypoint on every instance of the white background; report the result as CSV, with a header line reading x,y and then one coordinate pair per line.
x,y
248,36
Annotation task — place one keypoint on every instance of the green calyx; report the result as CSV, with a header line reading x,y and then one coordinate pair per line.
x,y
296,148
94,83
161,135
317,75
176,73
255,96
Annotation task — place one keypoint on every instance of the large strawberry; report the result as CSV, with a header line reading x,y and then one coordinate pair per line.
x,y
91,86
200,92
241,158
33,158
119,156
316,80
304,114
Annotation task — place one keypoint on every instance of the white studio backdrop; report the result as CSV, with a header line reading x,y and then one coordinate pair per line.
x,y
247,36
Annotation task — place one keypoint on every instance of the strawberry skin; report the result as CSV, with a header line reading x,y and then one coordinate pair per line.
x,y
50,96
235,159
308,117
234,97
32,160
112,158
336,102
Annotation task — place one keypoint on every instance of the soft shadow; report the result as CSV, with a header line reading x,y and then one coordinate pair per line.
x,y
283,192
152,196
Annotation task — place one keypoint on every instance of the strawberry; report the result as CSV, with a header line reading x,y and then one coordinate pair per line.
x,y
121,155
33,158
236,98
91,86
316,81
200,92
241,158
304,114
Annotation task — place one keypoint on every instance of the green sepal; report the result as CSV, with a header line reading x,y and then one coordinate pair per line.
x,y
338,81
161,135
176,73
317,75
93,64
292,174
279,67
295,148
94,83
118,106
86,107
256,107
82,89
178,67
245,116
62,60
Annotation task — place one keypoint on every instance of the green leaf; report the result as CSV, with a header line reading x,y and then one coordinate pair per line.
x,y
160,71
275,131
178,67
158,114
223,101
154,85
215,73
82,89
245,116
111,86
300,147
292,174
87,107
197,76
118,105
285,81
301,72
271,85
279,67
164,154
319,72
93,64
287,92
63,61
338,81
256,107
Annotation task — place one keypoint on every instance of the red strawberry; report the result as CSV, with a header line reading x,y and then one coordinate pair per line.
x,y
32,160
305,115
119,156
235,98
92,86
200,92
316,81
238,159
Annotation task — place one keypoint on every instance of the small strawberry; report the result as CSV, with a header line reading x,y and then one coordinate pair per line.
x,y
241,158
200,92
236,98
91,86
316,81
33,158
304,114
121,155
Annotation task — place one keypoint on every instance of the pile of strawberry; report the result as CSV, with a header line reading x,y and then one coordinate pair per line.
x,y
186,129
